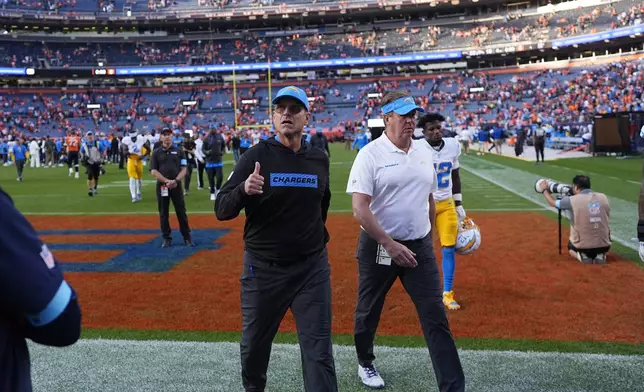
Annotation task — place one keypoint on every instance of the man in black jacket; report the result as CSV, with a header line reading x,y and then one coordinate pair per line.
x,y
188,148
214,147
235,142
318,140
286,262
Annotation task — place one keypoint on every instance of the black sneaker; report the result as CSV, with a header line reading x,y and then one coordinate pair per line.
x,y
90,193
167,242
188,242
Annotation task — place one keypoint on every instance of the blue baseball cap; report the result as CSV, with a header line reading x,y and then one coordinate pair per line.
x,y
293,92
402,106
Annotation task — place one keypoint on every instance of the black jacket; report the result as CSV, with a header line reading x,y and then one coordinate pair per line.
x,y
287,222
213,148
318,140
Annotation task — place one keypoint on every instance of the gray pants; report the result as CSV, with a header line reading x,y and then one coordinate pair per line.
x,y
20,165
267,292
423,284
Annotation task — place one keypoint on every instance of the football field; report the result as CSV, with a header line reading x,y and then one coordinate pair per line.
x,y
168,319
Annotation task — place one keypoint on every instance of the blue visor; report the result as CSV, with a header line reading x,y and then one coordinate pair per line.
x,y
402,106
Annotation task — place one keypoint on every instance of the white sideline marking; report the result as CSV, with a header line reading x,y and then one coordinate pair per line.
x,y
539,202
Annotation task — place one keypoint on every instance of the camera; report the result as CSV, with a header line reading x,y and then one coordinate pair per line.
x,y
553,187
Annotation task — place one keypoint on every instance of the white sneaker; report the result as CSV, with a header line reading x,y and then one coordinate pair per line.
x,y
76,175
370,377
138,197
212,197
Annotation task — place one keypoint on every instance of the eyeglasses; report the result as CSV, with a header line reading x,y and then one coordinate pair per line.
x,y
292,109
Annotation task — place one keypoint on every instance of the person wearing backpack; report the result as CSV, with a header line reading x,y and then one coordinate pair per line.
x,y
92,158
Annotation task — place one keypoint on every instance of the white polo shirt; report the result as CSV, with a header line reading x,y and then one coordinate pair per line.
x,y
399,184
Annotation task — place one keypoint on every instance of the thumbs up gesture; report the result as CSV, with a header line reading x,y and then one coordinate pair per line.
x,y
254,183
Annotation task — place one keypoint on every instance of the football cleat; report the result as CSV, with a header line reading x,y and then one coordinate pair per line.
x,y
449,301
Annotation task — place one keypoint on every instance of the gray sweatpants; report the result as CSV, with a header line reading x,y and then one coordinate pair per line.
x,y
267,292
423,284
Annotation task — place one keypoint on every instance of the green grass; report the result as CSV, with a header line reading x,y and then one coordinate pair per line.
x,y
52,191
383,340
619,178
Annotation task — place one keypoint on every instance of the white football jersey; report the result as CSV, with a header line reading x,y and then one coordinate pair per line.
x,y
134,147
446,160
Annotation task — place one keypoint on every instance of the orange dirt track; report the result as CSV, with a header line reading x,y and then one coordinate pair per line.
x,y
516,286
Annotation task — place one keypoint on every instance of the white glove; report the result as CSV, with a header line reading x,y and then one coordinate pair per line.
x,y
460,211
642,251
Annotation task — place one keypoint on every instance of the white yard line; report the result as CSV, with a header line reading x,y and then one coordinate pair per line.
x,y
521,183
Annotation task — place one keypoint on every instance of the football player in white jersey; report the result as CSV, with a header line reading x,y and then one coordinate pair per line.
x,y
136,147
449,209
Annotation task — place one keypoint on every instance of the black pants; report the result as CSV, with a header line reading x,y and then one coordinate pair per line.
x,y
176,195
93,171
121,160
267,292
539,147
212,173
592,253
188,176
72,160
20,165
423,284
200,167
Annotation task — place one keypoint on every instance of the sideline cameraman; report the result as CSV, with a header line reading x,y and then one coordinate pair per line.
x,y
589,214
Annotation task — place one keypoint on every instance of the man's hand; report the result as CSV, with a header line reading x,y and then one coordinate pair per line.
x,y
254,183
171,184
400,254
460,211
642,251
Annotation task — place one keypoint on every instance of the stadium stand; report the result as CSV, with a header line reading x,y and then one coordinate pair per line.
x,y
381,39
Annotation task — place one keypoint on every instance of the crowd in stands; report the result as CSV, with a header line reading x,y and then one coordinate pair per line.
x,y
253,48
561,98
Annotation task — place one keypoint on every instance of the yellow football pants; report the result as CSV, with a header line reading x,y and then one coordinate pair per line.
x,y
447,222
135,168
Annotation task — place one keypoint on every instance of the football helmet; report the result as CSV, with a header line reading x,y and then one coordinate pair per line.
x,y
468,238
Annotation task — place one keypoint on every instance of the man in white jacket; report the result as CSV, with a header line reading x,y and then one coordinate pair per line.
x,y
34,153
200,159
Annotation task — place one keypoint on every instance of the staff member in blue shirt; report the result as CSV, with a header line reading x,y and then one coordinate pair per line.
x,y
498,135
360,141
4,151
244,144
19,155
35,301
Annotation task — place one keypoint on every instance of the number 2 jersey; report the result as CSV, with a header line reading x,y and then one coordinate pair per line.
x,y
134,147
445,160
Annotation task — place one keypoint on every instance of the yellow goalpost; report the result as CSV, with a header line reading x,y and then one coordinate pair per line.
x,y
270,99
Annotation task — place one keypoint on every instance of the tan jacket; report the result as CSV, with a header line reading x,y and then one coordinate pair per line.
x,y
590,220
